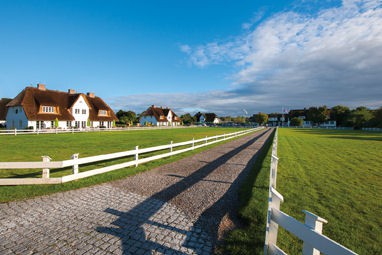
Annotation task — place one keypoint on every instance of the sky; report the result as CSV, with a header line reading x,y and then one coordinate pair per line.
x,y
228,57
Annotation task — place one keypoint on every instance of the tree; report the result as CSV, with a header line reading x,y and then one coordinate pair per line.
x,y
377,120
360,117
56,123
126,117
296,122
341,115
318,114
187,119
261,118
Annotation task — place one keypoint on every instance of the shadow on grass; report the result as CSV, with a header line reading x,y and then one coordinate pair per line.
x,y
253,197
135,238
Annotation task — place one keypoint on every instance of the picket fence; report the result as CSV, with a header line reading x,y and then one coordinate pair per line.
x,y
310,232
75,161
16,132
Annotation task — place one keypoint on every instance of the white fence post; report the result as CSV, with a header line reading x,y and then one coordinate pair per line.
x,y
315,223
45,171
275,199
193,143
274,162
206,139
171,146
15,131
75,165
136,155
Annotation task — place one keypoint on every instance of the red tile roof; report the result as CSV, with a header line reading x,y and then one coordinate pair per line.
x,y
3,107
160,114
32,98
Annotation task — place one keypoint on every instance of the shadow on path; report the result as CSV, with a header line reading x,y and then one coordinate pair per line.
x,y
155,225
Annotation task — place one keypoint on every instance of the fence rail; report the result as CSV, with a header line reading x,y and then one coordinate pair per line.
x,y
79,130
309,232
75,161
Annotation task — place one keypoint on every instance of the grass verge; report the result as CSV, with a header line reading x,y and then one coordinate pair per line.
x,y
253,197
21,148
336,175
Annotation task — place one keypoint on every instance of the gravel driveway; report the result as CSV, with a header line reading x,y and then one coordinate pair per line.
x,y
179,208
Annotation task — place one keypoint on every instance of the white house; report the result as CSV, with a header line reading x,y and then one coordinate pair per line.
x,y
208,118
159,116
40,108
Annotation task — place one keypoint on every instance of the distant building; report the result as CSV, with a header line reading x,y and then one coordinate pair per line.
x,y
40,108
207,118
159,116
3,110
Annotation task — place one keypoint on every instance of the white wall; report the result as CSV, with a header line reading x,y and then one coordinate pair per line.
x,y
80,117
16,118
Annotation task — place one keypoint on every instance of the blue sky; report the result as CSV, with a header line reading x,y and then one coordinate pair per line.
x,y
215,56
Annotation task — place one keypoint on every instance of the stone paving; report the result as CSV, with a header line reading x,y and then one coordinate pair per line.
x,y
111,219
98,220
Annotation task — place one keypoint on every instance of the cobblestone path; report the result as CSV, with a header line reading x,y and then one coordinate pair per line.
x,y
173,209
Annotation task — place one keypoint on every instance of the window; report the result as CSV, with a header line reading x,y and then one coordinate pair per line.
x,y
102,112
17,111
83,111
68,124
48,109
83,124
77,111
52,124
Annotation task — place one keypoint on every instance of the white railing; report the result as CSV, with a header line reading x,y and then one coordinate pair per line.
x,y
310,232
16,132
75,161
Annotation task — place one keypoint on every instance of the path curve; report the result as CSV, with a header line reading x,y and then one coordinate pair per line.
x,y
178,208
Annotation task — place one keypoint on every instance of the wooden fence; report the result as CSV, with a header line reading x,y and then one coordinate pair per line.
x,y
310,232
16,132
75,161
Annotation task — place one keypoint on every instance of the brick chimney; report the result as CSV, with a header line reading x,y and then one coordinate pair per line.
x,y
41,86
90,94
71,91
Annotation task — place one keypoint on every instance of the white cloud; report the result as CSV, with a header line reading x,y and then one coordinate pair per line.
x,y
331,57
289,60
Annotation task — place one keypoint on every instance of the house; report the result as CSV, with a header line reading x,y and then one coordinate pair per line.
x,y
301,114
40,108
3,110
159,116
278,119
207,118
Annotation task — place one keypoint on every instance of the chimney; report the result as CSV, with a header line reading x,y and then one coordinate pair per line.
x,y
71,91
41,86
90,94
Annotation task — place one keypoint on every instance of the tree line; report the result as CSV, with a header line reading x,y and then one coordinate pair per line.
x,y
344,116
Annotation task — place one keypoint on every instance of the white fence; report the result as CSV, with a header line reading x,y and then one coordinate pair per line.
x,y
75,161
310,232
79,130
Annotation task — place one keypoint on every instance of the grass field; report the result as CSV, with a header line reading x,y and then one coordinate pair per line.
x,y
338,176
334,174
62,146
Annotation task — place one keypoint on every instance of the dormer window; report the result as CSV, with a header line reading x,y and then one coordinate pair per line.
x,y
47,109
102,113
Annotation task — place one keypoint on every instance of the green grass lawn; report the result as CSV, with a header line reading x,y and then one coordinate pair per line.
x,y
62,146
336,175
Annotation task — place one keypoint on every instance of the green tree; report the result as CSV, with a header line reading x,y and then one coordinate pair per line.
x,y
56,123
318,114
187,119
296,122
126,117
341,115
261,118
377,120
360,117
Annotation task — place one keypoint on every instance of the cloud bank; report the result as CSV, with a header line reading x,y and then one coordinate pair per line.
x,y
294,60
